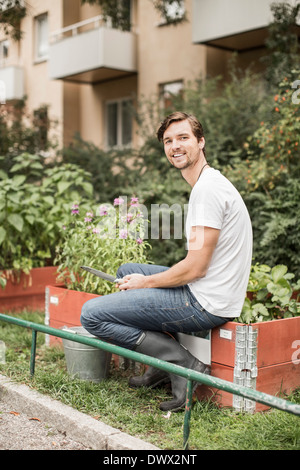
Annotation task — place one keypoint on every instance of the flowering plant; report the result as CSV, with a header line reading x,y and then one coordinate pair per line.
x,y
102,237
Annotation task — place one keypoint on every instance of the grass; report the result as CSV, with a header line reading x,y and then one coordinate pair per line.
x,y
136,412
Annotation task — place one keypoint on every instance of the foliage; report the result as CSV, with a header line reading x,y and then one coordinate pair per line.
x,y
111,171
228,111
32,212
268,179
118,11
103,237
10,17
271,295
273,149
282,41
21,132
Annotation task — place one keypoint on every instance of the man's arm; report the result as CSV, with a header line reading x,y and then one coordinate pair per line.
x,y
202,243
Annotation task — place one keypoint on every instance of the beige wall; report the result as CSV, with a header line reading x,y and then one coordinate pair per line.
x,y
166,53
37,86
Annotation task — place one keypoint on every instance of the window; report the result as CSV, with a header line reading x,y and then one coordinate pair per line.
x,y
41,37
119,123
4,50
168,91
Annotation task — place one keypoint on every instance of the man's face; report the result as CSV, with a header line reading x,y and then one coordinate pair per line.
x,y
181,145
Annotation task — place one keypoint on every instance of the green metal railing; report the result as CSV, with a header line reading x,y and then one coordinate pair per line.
x,y
189,374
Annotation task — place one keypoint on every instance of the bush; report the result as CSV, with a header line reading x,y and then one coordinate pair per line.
x,y
102,237
32,213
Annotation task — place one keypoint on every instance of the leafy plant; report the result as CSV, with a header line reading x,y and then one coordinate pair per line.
x,y
32,213
22,132
104,237
271,295
10,17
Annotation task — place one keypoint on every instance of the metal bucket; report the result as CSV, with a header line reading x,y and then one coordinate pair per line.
x,y
83,361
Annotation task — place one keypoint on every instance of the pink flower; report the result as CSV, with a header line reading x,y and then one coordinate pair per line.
x,y
129,217
134,202
123,234
88,219
118,201
96,230
75,209
103,210
139,241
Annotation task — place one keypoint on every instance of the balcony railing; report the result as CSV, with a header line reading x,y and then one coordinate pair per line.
x,y
91,51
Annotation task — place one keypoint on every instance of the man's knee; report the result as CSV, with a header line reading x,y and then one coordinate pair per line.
x,y
85,314
126,268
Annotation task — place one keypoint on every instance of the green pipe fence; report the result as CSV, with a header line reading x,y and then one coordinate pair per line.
x,y
189,374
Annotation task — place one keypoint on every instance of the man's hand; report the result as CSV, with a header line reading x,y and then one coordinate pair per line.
x,y
133,281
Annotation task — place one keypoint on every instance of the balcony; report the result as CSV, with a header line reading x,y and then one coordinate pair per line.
x,y
232,25
91,52
11,83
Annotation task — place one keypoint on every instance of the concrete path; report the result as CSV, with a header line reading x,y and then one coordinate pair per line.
x,y
32,421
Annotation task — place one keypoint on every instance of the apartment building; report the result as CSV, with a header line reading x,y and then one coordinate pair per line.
x,y
89,71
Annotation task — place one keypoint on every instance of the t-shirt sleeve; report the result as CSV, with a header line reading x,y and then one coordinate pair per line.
x,y
207,206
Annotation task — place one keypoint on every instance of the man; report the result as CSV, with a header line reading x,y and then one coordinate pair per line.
x,y
204,290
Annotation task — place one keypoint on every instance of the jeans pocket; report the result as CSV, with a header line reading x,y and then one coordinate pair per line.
x,y
184,325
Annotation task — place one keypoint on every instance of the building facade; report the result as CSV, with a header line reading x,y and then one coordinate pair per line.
x,y
89,72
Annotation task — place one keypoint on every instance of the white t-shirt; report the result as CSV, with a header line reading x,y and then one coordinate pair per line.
x,y
215,202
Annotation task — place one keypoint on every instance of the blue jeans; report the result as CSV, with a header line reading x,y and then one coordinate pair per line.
x,y
120,318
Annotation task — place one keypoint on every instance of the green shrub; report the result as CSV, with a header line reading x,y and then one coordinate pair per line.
x,y
102,237
271,295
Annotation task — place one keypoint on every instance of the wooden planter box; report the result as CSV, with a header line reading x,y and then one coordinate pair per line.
x,y
27,291
63,308
263,356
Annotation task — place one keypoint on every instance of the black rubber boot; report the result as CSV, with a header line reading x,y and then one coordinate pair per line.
x,y
164,347
152,378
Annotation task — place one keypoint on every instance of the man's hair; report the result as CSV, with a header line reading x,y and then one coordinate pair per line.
x,y
180,116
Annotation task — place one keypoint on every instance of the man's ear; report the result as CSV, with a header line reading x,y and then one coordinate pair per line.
x,y
201,143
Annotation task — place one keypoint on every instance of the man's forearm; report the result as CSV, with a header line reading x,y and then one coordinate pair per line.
x,y
178,275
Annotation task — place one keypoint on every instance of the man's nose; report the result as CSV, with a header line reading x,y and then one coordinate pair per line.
x,y
175,144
